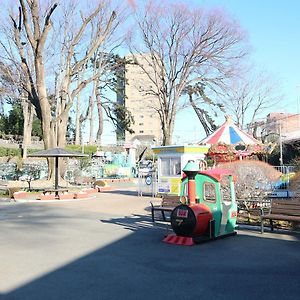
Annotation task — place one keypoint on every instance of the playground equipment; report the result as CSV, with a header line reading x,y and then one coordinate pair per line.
x,y
210,211
230,143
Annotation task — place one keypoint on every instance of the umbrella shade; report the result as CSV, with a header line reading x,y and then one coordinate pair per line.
x,y
56,153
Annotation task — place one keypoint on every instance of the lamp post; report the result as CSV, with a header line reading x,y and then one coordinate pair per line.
x,y
191,169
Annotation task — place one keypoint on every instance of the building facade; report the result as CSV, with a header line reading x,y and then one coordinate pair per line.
x,y
135,94
283,125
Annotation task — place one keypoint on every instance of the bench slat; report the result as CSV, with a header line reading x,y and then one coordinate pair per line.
x,y
286,202
285,210
168,203
281,206
286,206
281,217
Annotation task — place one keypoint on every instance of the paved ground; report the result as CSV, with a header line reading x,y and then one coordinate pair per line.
x,y
107,248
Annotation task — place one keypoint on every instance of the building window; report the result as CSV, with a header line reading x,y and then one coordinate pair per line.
x,y
170,166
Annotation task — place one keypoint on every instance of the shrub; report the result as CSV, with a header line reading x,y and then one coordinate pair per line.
x,y
88,149
9,152
254,178
295,184
296,162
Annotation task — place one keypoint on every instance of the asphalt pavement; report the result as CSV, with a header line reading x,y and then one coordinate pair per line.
x,y
107,248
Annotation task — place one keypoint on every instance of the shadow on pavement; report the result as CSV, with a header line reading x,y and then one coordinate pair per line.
x,y
122,192
140,266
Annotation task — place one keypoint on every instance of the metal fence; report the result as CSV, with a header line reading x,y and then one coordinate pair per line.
x,y
285,169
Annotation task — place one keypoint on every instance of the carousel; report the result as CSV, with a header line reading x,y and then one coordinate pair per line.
x,y
230,143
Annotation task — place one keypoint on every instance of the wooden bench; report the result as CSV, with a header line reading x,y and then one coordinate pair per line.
x,y
168,203
283,210
252,206
55,191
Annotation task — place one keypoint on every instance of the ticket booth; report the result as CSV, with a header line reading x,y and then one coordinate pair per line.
x,y
170,162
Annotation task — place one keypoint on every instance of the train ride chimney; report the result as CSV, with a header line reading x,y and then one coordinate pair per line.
x,y
191,169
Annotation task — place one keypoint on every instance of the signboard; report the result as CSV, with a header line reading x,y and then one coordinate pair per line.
x,y
182,213
164,186
148,180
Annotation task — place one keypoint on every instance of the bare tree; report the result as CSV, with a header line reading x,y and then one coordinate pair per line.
x,y
15,88
110,68
250,97
181,46
32,27
204,107
101,67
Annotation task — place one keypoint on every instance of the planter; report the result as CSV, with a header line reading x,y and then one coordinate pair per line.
x,y
81,195
66,196
19,195
46,197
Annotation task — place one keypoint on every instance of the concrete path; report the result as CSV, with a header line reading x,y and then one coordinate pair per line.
x,y
107,248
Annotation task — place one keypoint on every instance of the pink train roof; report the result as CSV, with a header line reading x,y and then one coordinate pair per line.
x,y
215,173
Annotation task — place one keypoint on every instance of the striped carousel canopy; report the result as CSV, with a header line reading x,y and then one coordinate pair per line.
x,y
229,134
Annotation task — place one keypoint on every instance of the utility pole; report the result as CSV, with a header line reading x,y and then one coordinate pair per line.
x,y
280,144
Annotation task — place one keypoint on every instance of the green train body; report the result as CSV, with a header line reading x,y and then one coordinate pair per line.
x,y
214,191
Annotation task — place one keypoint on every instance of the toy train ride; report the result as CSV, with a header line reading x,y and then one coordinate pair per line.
x,y
210,211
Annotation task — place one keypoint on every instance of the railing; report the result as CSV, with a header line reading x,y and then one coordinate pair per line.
x,y
285,169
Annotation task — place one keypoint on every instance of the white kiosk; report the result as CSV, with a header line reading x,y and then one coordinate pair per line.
x,y
170,162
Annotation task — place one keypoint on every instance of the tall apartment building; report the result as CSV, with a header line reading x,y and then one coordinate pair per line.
x,y
134,94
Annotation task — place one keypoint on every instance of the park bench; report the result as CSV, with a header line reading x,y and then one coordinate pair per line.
x,y
84,180
252,206
168,203
281,210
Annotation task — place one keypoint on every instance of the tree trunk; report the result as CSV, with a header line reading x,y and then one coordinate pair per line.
x,y
62,129
78,112
200,115
100,120
77,121
28,113
166,139
167,135
91,116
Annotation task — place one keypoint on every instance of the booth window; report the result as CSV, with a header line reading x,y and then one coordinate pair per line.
x,y
209,192
170,166
225,188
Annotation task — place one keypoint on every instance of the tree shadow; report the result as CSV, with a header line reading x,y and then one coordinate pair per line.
x,y
138,265
123,192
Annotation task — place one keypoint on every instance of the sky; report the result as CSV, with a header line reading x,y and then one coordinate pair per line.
x,y
273,33
274,37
